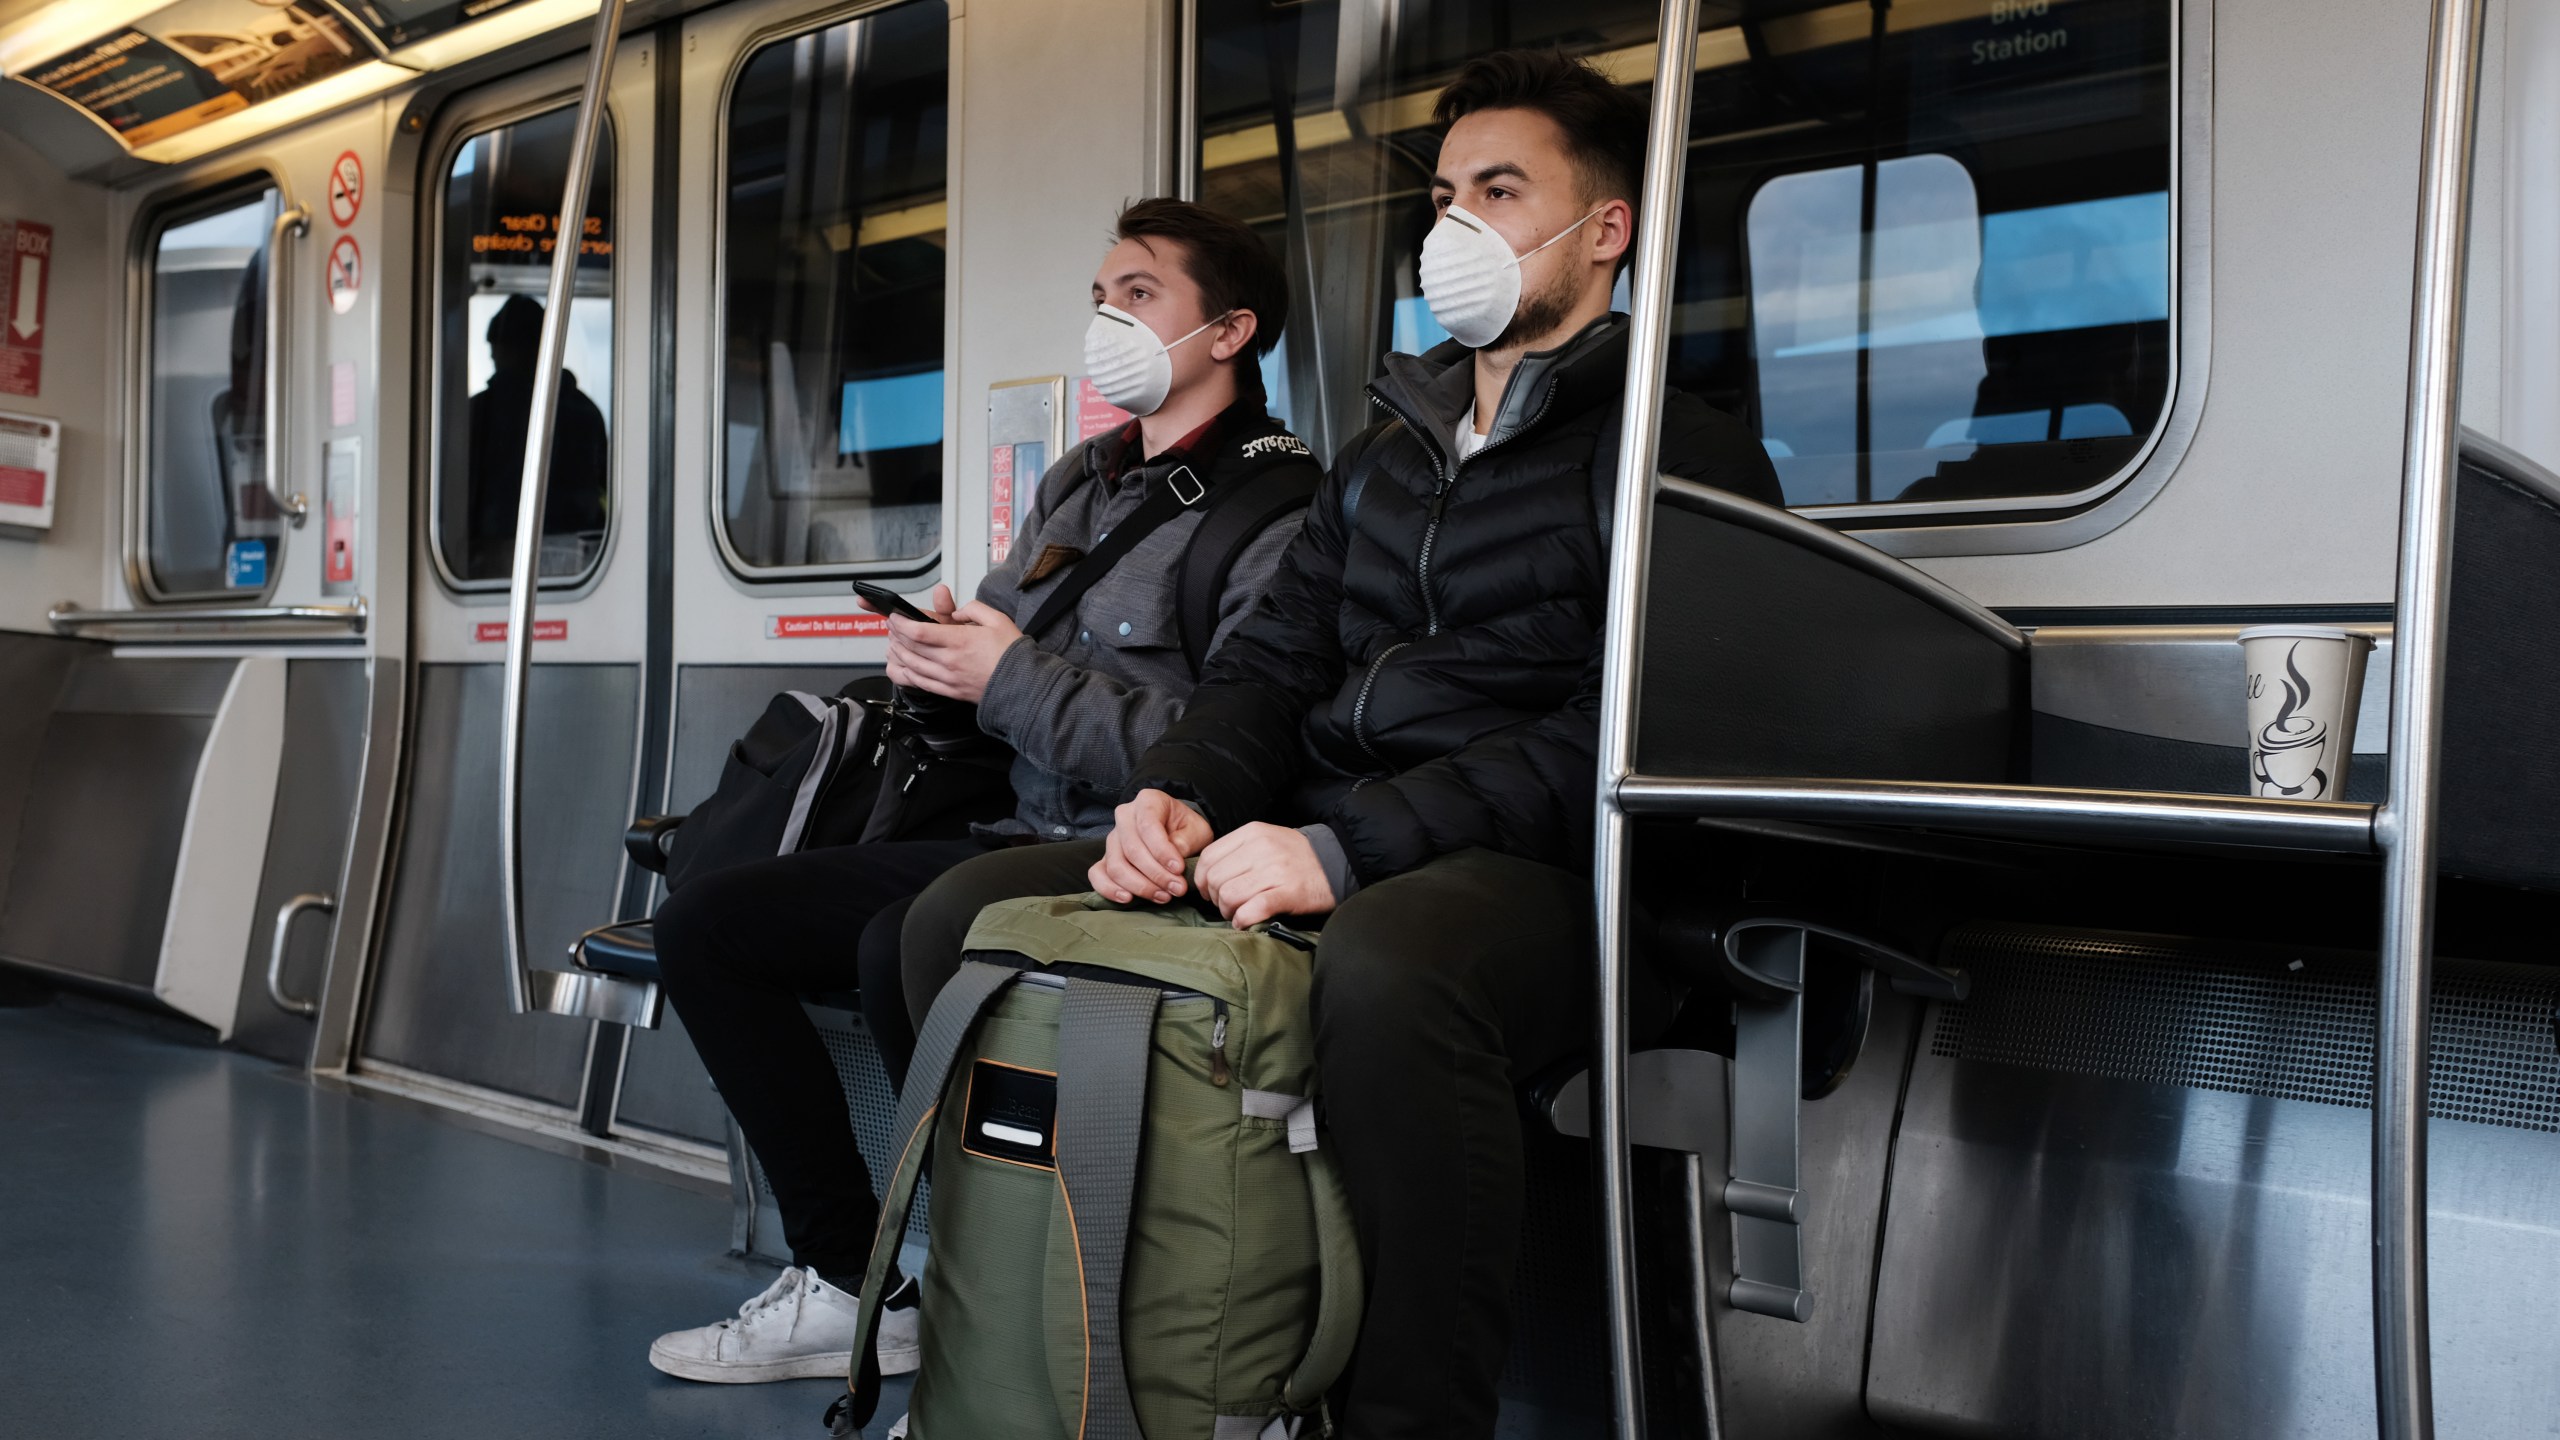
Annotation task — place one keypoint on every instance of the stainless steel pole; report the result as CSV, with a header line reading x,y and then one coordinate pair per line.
x,y
549,360
1648,344
2406,825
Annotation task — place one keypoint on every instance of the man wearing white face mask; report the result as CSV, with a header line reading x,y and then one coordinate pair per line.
x,y
1402,737
1141,549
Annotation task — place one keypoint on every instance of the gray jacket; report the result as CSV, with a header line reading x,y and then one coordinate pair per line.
x,y
1081,703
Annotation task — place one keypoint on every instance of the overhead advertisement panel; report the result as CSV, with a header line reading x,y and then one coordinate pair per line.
x,y
406,22
197,61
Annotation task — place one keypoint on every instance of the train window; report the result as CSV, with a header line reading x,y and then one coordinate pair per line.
x,y
832,307
1924,247
501,203
209,527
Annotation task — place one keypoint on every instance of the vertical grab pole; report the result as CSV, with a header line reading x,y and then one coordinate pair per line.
x,y
2406,825
1648,345
548,363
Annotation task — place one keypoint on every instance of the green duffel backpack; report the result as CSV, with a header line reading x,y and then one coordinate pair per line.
x,y
1135,1234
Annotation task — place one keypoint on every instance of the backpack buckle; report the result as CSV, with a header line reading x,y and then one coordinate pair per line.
x,y
1198,488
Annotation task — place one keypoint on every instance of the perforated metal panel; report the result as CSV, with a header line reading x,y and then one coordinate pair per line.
x,y
874,1104
2290,1025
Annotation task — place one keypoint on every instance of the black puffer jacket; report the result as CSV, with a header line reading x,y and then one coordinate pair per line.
x,y
1425,677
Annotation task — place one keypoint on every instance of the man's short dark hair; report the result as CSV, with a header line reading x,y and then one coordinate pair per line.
x,y
1603,122
1232,266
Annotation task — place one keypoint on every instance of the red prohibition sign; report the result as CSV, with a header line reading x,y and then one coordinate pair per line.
x,y
345,275
346,188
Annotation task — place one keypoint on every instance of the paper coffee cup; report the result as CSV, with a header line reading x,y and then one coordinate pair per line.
x,y
2304,682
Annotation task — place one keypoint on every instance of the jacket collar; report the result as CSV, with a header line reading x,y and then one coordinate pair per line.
x,y
1432,391
1113,459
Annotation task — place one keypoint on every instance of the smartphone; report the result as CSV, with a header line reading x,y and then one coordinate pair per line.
x,y
890,602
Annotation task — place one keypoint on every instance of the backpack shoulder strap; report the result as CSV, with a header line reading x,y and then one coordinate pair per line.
x,y
970,994
1238,514
1182,490
1105,1038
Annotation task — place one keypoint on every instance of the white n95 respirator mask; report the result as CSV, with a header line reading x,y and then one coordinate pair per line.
x,y
1127,363
1471,277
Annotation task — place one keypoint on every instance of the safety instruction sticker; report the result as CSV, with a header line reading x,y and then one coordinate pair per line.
x,y
494,632
824,627
999,503
30,457
244,565
1095,415
345,275
346,188
25,271
338,516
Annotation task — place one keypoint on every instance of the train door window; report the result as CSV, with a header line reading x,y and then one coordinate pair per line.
x,y
833,265
1924,248
209,526
501,199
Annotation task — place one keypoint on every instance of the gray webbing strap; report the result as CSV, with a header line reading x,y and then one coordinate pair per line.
x,y
1106,1033
955,1013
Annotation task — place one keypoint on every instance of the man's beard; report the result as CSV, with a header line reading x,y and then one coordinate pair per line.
x,y
1540,313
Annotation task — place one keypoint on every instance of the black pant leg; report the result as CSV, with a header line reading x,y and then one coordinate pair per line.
x,y
1436,993
884,991
737,949
940,919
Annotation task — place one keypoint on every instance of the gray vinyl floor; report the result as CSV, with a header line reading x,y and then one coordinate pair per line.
x,y
196,1243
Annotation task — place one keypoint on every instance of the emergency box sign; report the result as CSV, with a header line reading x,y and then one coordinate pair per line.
x,y
338,516
29,269
30,457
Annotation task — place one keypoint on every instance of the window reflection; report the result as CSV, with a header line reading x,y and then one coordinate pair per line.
x,y
834,280
210,524
1924,247
501,200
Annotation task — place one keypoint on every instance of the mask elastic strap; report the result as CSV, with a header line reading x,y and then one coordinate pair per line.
x,y
1569,229
1213,320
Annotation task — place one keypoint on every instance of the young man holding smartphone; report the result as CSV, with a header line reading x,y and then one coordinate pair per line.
x,y
1185,304
1403,738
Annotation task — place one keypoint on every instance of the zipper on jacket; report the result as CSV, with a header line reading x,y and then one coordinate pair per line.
x,y
1360,707
1447,477
1219,1074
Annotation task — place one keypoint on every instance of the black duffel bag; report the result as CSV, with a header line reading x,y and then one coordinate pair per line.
x,y
853,769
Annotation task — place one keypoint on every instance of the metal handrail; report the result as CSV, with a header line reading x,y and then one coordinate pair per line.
x,y
2403,1381
2017,812
286,914
1648,350
586,996
68,618
293,221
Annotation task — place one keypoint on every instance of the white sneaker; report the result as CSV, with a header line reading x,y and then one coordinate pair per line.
x,y
899,1430
800,1328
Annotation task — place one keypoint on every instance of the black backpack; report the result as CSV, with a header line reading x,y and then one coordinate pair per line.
x,y
850,769
862,767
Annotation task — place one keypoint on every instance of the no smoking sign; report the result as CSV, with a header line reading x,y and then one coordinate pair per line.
x,y
346,274
346,189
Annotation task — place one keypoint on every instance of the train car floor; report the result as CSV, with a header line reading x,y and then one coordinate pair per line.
x,y
196,1242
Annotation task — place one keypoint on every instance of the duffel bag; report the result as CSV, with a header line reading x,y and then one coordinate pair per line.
x,y
1135,1230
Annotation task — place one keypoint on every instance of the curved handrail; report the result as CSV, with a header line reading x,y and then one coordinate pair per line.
x,y
293,221
1622,650
525,577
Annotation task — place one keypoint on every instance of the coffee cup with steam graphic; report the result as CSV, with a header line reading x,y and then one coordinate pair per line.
x,y
2304,682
